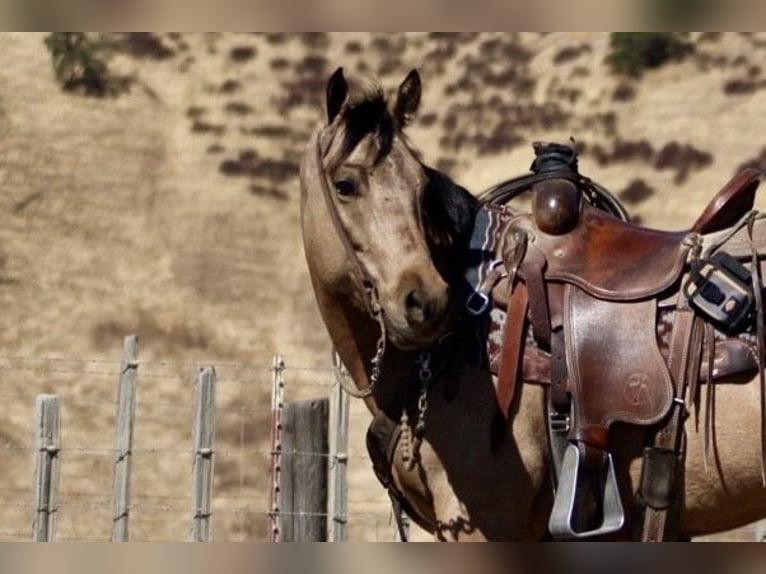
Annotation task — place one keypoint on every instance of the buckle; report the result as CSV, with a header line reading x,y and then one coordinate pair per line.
x,y
477,303
559,423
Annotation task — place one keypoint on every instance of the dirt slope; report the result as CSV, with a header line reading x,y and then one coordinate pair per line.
x,y
171,211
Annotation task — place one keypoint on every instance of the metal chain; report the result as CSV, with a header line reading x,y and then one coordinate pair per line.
x,y
341,375
377,360
411,444
425,374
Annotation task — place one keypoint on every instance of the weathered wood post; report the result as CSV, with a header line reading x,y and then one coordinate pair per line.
x,y
303,477
202,469
123,442
47,447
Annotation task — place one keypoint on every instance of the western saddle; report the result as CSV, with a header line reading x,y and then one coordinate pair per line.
x,y
586,296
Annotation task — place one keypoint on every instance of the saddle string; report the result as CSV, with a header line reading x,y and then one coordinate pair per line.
x,y
760,333
709,395
757,286
714,241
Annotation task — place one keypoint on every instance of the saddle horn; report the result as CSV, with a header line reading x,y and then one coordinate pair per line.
x,y
556,200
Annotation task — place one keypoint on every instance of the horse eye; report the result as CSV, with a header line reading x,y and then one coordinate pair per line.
x,y
345,187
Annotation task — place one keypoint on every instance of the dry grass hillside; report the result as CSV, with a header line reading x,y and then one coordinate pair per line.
x,y
171,211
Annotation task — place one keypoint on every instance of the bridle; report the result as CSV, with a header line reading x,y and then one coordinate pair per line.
x,y
411,438
368,285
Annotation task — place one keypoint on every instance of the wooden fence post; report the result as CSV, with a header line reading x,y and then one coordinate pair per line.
x,y
337,488
123,442
202,469
303,477
48,445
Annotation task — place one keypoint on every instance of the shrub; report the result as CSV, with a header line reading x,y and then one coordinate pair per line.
x,y
623,93
636,192
633,52
241,54
570,53
80,61
682,158
146,45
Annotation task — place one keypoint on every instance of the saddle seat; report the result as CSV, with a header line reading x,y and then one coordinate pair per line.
x,y
610,258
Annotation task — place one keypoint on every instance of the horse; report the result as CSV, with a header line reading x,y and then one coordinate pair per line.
x,y
386,243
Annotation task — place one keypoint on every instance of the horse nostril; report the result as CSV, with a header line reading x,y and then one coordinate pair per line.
x,y
417,310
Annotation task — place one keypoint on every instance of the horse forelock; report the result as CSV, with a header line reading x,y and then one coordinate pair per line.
x,y
365,114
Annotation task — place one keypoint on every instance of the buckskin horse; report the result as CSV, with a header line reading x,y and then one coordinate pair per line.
x,y
462,448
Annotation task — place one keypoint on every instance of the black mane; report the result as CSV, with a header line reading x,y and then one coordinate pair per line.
x,y
449,211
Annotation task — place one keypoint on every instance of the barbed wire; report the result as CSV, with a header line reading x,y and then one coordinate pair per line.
x,y
103,451
43,364
64,504
67,499
239,412
197,363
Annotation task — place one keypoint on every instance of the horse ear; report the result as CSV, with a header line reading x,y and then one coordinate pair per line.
x,y
337,90
407,99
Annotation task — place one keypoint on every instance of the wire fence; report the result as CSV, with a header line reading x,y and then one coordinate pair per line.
x,y
162,452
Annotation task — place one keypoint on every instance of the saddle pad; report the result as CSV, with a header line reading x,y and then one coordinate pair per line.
x,y
615,366
487,233
488,228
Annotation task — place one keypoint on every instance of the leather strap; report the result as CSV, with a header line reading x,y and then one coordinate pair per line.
x,y
513,346
533,268
560,399
709,395
683,362
755,270
360,271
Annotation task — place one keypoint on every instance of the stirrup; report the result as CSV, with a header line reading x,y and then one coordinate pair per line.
x,y
561,523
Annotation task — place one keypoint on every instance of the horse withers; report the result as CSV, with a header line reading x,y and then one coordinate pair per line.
x,y
386,241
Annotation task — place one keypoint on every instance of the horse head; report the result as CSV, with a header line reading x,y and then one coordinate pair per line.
x,y
397,219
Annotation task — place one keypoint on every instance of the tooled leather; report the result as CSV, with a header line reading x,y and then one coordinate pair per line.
x,y
616,369
609,258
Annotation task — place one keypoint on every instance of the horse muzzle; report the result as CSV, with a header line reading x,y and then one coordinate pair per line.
x,y
420,317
